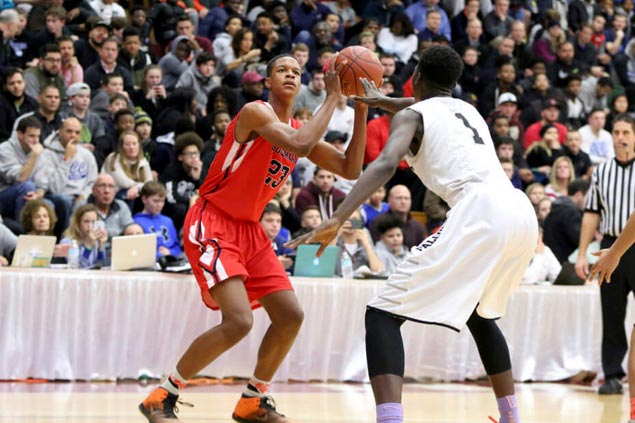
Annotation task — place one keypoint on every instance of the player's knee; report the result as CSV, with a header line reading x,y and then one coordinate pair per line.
x,y
292,320
238,324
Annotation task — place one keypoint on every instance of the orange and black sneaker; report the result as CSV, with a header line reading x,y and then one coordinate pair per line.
x,y
161,405
259,409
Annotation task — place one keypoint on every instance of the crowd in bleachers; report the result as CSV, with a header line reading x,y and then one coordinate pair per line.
x,y
114,111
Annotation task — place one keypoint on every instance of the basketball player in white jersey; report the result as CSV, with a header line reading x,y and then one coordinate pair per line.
x,y
463,274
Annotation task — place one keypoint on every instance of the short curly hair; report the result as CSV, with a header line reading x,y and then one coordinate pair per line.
x,y
32,207
441,66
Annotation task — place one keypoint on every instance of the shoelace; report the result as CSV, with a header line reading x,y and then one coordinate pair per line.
x,y
269,401
186,404
492,419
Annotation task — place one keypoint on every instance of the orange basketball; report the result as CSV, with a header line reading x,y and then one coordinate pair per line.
x,y
360,63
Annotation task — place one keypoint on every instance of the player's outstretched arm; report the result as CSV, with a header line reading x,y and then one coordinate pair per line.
x,y
346,164
375,98
610,258
257,118
405,126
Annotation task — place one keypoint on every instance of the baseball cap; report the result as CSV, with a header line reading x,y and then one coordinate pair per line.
x,y
506,98
99,23
334,135
251,76
78,88
550,102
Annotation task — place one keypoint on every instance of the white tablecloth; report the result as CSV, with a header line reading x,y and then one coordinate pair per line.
x,y
59,324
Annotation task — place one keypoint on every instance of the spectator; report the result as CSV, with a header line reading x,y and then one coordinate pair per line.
x,y
504,83
542,154
417,12
48,111
108,54
114,212
163,18
306,15
8,242
497,22
271,222
473,37
310,219
124,121
507,105
300,52
153,222
433,26
581,160
576,113
252,88
107,9
9,21
399,38
19,157
543,209
38,218
55,28
185,27
400,202
522,50
548,115
508,167
70,69
152,94
87,50
223,42
312,95
382,10
132,58
618,105
285,200
128,167
132,229
436,211
46,73
579,14
267,39
92,125
562,174
390,248
13,101
215,21
594,93
320,192
220,121
65,170
565,65
355,240
461,21
543,267
222,98
183,177
547,45
139,21
535,192
200,76
320,40
143,127
91,240
180,104
109,99
241,56
597,141
563,224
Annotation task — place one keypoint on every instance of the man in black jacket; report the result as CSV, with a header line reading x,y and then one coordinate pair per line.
x,y
562,226
13,101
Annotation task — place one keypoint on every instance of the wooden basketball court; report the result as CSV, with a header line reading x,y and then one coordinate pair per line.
x,y
309,403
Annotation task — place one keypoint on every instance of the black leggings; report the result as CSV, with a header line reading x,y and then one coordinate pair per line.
x,y
385,352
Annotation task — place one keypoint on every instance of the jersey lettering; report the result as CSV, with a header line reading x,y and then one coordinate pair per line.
x,y
477,137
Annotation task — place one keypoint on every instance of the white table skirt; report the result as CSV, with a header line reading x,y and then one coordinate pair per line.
x,y
59,324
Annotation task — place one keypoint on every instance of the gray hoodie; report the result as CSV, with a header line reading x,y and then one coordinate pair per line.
x,y
55,175
173,67
12,158
193,78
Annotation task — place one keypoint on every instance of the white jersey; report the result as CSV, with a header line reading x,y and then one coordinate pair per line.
x,y
456,151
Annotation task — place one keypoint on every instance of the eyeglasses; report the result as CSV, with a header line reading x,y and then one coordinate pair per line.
x,y
53,60
104,186
191,154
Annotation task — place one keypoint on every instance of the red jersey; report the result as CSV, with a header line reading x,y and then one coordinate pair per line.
x,y
244,177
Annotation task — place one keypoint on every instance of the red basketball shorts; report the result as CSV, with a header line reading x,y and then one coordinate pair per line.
x,y
219,248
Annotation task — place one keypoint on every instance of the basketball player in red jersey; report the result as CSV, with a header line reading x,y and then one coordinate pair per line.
x,y
231,256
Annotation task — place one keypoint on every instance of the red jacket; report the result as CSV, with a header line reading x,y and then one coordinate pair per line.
x,y
377,132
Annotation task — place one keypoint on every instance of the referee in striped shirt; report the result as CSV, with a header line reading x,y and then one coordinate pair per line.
x,y
609,203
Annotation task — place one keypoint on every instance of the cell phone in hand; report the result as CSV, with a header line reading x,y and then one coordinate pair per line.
x,y
357,224
99,225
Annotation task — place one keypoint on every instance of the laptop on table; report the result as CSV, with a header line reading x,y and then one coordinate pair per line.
x,y
134,252
33,251
307,264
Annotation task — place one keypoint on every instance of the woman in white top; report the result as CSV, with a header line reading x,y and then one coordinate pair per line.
x,y
399,38
562,174
128,167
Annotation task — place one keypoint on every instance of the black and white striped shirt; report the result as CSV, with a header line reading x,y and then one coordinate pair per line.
x,y
612,195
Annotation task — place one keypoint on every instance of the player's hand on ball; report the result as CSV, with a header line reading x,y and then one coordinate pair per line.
x,y
332,77
372,94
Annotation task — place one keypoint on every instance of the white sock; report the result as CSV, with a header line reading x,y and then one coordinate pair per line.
x,y
174,383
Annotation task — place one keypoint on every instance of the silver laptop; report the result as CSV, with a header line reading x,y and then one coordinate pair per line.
x,y
134,252
33,251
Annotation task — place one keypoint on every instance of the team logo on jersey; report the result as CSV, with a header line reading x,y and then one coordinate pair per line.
x,y
429,241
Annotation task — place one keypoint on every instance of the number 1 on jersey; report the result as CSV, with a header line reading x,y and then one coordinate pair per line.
x,y
477,137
